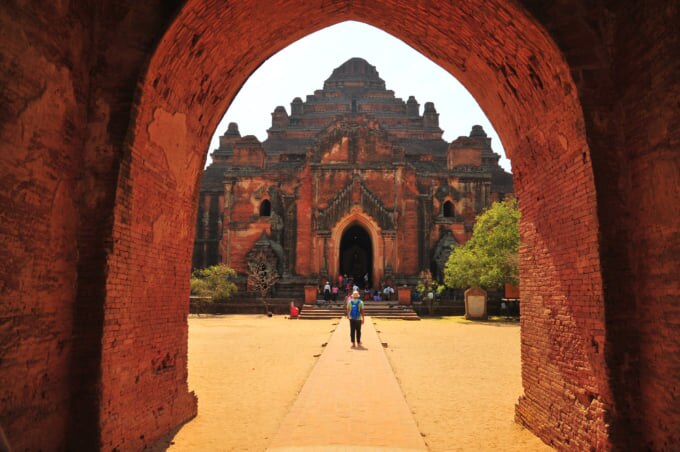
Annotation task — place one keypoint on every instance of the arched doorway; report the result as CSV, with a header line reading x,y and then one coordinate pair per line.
x,y
516,57
530,98
356,255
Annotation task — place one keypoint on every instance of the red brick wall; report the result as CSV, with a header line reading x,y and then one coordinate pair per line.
x,y
529,88
243,241
651,186
68,76
39,163
587,109
383,184
248,156
463,156
327,186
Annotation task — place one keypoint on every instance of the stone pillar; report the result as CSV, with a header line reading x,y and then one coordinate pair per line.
x,y
324,265
220,228
331,258
479,202
289,230
205,217
389,251
226,227
424,210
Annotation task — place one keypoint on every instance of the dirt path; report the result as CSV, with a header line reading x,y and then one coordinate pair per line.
x,y
461,380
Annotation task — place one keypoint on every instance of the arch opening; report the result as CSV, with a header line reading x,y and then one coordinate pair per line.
x,y
534,107
356,255
123,169
447,209
265,208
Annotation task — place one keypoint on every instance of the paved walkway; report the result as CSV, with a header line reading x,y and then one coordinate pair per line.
x,y
350,402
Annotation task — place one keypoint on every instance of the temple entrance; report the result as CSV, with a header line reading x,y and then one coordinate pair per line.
x,y
356,255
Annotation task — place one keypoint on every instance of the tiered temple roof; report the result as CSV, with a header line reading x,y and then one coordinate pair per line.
x,y
355,89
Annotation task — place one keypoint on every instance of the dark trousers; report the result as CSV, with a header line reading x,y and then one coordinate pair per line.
x,y
355,330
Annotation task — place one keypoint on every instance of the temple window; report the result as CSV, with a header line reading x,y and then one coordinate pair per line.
x,y
447,209
265,208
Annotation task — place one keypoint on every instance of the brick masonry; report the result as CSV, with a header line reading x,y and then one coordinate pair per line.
x,y
104,110
367,165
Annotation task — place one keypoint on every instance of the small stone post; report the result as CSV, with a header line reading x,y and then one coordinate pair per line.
x,y
475,304
310,294
404,294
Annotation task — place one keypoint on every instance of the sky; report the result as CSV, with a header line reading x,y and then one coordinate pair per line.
x,y
302,67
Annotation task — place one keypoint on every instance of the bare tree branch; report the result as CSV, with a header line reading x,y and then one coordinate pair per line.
x,y
262,276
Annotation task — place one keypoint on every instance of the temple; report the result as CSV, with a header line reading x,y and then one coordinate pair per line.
x,y
352,181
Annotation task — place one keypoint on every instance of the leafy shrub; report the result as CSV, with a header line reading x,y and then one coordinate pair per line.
x,y
427,285
216,282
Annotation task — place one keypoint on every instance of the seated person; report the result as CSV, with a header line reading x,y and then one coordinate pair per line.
x,y
388,291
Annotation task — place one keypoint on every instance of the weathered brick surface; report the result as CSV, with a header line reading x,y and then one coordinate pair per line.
x,y
98,200
38,227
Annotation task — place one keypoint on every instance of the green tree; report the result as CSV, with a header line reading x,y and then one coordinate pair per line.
x,y
489,258
216,282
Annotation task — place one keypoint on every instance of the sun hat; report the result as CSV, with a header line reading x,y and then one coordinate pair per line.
x,y
355,294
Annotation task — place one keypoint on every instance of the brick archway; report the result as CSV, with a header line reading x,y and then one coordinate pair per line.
x,y
359,217
528,93
105,119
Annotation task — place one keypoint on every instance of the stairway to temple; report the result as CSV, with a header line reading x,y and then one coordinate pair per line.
x,y
376,309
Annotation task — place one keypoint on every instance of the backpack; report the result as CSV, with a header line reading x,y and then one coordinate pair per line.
x,y
354,312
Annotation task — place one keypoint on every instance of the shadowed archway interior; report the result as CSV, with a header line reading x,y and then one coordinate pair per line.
x,y
356,255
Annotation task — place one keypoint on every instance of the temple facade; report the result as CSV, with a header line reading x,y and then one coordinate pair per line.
x,y
353,180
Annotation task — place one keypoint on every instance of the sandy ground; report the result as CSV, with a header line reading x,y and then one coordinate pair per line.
x,y
247,371
460,379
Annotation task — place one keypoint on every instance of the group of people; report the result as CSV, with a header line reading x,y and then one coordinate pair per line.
x,y
346,285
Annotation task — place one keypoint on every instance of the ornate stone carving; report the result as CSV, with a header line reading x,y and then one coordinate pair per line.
x,y
342,203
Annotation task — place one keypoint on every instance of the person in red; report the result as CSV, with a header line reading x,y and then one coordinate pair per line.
x,y
294,311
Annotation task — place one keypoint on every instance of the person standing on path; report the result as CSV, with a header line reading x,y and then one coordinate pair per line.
x,y
355,314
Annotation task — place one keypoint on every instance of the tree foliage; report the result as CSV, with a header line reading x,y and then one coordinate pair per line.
x,y
426,282
216,282
426,285
489,258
